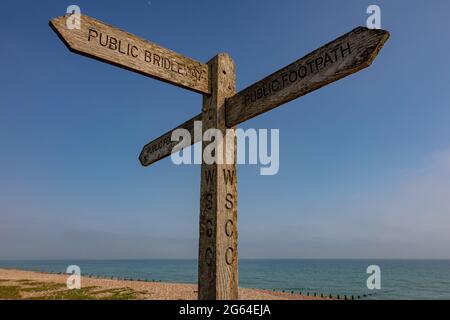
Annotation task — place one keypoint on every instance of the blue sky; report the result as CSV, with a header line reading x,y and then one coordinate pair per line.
x,y
364,162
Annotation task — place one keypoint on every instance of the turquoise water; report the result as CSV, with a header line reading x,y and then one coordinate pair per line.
x,y
400,279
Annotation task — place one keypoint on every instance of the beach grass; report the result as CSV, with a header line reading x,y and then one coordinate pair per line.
x,y
35,290
79,294
42,286
9,292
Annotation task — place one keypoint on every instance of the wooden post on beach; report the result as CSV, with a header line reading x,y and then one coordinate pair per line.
x,y
222,110
217,267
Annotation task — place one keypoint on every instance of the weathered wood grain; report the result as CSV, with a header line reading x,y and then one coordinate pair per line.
x,y
217,269
164,146
339,58
103,42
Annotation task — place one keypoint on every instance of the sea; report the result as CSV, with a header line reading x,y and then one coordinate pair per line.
x,y
399,279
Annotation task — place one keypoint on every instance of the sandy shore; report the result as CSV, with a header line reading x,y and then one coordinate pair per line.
x,y
20,284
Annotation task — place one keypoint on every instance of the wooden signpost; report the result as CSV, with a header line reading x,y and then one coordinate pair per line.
x,y
348,54
103,42
222,109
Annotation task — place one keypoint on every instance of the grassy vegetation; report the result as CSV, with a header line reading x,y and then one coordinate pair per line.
x,y
34,290
25,281
44,286
77,294
117,294
9,292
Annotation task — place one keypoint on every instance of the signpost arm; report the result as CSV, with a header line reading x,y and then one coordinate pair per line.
x,y
217,270
164,146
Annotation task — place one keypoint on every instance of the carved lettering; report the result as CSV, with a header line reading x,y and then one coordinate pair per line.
x,y
208,256
228,175
229,230
131,50
299,72
209,228
229,256
209,199
229,201
209,175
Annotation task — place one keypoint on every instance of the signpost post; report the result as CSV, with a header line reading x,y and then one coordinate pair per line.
x,y
222,109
